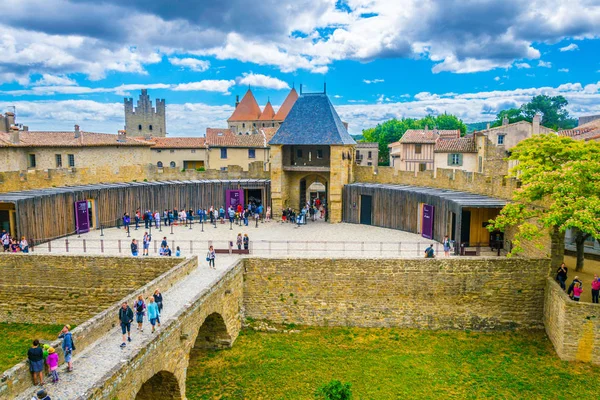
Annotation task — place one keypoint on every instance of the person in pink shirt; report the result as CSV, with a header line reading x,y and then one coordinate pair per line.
x,y
595,288
577,290
52,362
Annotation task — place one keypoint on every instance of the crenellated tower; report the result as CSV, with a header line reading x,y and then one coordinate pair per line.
x,y
144,119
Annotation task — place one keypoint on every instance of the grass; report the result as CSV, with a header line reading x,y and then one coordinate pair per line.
x,y
389,364
17,338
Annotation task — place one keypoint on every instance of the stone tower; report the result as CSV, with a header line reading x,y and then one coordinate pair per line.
x,y
144,120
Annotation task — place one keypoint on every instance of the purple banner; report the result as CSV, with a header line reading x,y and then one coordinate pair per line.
x,y
234,197
427,224
82,219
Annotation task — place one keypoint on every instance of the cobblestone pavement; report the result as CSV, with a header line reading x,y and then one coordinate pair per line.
x,y
272,239
91,364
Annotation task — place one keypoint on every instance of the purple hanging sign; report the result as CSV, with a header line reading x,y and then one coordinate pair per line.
x,y
234,197
82,219
427,223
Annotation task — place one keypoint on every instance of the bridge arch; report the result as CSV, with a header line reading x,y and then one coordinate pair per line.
x,y
162,386
213,334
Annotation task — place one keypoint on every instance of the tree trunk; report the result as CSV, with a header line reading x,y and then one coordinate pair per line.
x,y
557,247
580,239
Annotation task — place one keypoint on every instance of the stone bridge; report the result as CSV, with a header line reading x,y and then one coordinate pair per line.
x,y
202,311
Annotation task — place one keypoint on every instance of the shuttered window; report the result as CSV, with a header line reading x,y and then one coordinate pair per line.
x,y
455,159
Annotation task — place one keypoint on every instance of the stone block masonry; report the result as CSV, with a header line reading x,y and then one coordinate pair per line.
x,y
465,293
573,327
69,289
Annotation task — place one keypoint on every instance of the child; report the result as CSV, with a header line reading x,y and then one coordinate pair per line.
x,y
153,313
45,352
577,290
52,362
178,252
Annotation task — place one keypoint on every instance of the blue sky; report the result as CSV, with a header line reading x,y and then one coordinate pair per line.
x,y
65,62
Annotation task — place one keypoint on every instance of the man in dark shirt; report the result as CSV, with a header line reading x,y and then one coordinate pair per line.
x,y
125,318
561,275
35,355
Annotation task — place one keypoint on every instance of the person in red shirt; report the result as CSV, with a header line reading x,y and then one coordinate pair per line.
x,y
595,288
577,290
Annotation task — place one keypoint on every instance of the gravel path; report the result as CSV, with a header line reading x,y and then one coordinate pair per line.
x,y
92,363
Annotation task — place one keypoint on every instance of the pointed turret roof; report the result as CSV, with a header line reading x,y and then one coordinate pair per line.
x,y
268,113
247,110
287,105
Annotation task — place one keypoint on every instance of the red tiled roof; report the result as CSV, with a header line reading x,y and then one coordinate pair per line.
x,y
268,113
247,110
178,143
68,139
429,136
227,138
287,105
587,131
457,145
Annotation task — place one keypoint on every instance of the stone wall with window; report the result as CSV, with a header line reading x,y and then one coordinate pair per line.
x,y
183,158
463,161
242,156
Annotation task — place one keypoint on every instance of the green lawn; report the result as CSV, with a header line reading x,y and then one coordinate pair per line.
x,y
390,364
16,340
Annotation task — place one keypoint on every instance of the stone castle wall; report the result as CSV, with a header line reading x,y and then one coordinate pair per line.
x,y
38,179
572,327
465,293
66,289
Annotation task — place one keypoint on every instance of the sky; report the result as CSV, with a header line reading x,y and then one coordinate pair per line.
x,y
66,62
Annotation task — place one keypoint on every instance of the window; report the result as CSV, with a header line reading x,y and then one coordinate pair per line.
x,y
150,127
369,155
455,159
501,139
417,149
273,124
422,167
71,158
158,151
32,161
223,168
58,158
193,150
139,127
172,164
299,153
357,154
159,164
369,163
243,125
172,151
224,152
251,153
263,124
319,153
254,124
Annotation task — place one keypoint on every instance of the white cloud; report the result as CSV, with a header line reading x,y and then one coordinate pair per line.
x,y
259,80
522,65
497,78
370,81
563,70
193,64
55,80
207,85
545,64
337,96
571,47
122,90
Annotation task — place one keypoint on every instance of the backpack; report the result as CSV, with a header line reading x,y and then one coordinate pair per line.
x,y
139,307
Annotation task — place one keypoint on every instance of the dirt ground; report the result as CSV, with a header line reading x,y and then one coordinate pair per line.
x,y
590,267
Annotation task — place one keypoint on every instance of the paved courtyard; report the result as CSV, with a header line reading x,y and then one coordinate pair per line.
x,y
269,239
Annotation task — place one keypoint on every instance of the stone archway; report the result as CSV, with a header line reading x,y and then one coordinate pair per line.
x,y
213,334
305,184
162,386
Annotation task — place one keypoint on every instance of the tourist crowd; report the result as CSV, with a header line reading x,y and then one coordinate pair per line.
x,y
13,245
575,289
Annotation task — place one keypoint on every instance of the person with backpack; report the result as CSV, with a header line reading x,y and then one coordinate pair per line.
x,y
146,243
134,248
210,257
125,319
140,311
429,253
68,346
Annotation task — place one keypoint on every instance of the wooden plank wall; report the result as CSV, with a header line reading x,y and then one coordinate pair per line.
x,y
397,209
52,215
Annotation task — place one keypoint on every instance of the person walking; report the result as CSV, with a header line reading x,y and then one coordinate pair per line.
x,y
140,311
239,241
68,346
210,257
137,219
125,319
153,313
158,298
157,219
268,214
35,355
595,288
146,243
246,241
126,221
561,275
134,248
577,290
52,362
446,244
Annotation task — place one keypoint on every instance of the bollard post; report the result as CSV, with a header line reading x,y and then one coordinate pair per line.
x,y
49,246
101,230
101,246
128,231
399,248
418,248
191,247
191,221
84,249
171,229
119,243
160,226
230,224
67,245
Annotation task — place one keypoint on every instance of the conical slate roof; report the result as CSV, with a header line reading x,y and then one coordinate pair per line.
x,y
312,120
247,110
268,113
287,105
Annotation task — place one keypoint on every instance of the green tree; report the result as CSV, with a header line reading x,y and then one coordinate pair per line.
x,y
334,390
552,108
560,190
513,115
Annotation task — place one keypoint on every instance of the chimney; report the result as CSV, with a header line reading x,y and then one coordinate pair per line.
x,y
300,89
77,133
237,100
10,117
536,123
14,135
345,125
122,136
488,126
505,121
426,128
25,128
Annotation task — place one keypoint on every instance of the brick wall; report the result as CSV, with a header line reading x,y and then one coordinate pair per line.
x,y
465,293
69,289
573,328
